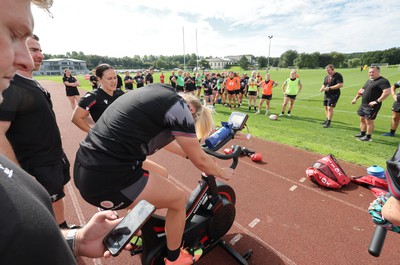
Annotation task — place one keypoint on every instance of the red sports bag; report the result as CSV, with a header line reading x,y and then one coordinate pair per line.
x,y
327,172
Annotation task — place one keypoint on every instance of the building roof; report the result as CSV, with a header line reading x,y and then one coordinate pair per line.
x,y
64,59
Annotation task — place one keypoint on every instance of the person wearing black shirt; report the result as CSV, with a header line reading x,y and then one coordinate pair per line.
x,y
331,87
25,206
93,80
139,79
172,79
96,101
71,87
149,77
119,81
30,133
395,110
108,167
375,90
128,80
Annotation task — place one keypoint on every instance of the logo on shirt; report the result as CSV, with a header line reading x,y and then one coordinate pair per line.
x,y
7,171
106,101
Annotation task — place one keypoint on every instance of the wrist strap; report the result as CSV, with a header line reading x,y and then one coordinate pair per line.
x,y
70,237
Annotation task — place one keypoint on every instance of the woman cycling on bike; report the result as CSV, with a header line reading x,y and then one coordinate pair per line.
x,y
108,167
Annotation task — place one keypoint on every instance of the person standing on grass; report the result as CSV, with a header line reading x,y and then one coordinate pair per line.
x,y
149,77
139,79
230,85
71,88
331,86
375,90
93,80
180,81
266,86
290,88
252,87
128,80
162,78
395,110
172,79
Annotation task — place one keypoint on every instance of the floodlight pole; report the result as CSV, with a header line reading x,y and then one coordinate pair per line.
x,y
269,50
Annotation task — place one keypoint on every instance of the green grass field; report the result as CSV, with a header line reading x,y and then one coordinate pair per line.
x,y
304,130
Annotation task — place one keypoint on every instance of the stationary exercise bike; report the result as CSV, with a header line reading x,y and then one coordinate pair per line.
x,y
210,210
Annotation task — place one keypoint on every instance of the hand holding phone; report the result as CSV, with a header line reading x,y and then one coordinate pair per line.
x,y
117,239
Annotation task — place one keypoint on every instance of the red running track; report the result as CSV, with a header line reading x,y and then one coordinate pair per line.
x,y
281,215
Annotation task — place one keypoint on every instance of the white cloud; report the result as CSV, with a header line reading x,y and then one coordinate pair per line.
x,y
128,28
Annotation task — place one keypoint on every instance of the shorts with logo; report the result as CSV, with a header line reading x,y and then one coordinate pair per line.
x,y
119,196
396,106
368,112
331,101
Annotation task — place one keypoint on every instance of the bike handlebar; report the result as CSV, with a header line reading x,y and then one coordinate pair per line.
x,y
237,151
377,240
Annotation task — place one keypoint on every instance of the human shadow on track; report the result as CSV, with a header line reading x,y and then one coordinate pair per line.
x,y
261,253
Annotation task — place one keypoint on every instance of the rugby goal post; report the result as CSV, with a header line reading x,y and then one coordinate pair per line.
x,y
381,65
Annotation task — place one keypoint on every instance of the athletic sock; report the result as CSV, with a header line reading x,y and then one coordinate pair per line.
x,y
392,131
288,112
368,136
363,133
173,255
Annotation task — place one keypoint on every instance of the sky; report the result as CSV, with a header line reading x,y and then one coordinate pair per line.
x,y
217,28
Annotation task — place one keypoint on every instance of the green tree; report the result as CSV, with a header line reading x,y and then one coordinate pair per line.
x,y
287,58
244,63
263,61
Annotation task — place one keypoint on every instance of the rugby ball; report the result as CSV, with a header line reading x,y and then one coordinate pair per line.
x,y
273,117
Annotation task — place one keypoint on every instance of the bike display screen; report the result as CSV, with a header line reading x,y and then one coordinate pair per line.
x,y
238,120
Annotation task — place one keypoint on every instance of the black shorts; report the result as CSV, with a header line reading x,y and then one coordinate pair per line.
x,y
291,96
104,196
368,112
208,92
179,88
72,91
53,177
267,97
252,93
331,101
396,106
231,92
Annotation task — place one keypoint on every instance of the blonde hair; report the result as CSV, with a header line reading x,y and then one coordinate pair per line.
x,y
203,117
44,4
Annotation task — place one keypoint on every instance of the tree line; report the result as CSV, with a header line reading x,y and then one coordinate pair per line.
x,y
287,59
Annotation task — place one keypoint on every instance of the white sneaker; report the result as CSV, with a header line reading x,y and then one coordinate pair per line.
x,y
257,112
288,115
281,114
266,112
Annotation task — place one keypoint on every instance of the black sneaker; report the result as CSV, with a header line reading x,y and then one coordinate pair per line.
x,y
324,122
365,139
327,125
359,135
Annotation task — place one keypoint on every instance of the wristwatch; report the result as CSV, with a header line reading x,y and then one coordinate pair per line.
x,y
70,237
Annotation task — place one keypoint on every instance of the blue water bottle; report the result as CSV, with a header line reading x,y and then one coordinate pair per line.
x,y
218,136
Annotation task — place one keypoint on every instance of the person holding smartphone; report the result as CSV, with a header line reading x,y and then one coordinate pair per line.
x,y
109,169
27,217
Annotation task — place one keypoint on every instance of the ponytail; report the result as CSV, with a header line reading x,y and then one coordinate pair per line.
x,y
203,118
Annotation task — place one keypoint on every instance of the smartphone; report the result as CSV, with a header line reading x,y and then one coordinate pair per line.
x,y
117,239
